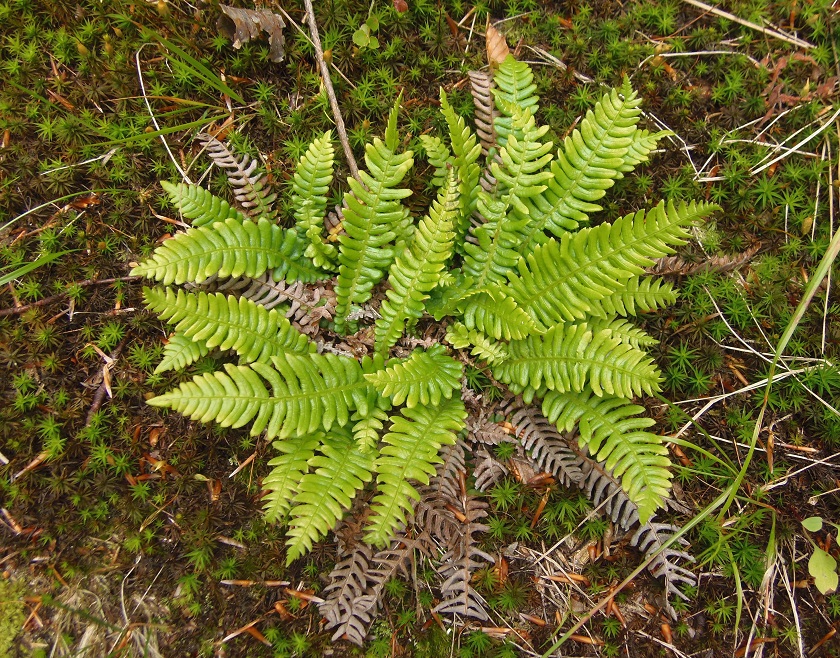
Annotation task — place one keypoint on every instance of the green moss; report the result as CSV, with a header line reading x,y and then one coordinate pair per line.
x,y
13,614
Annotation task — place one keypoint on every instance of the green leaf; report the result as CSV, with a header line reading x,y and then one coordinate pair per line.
x,y
411,450
361,37
341,469
199,205
229,323
823,568
813,523
417,270
424,378
373,214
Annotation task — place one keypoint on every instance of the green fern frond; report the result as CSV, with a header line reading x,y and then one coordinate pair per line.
x,y
624,331
445,299
417,270
563,281
288,469
426,377
341,469
229,249
368,428
465,153
613,432
493,248
308,392
438,155
592,157
515,87
521,173
311,181
373,216
496,245
179,352
639,294
483,347
496,314
642,144
570,356
199,205
229,323
294,264
411,449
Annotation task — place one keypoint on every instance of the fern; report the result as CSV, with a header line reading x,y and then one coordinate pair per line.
x,y
417,270
251,189
179,352
639,294
592,157
563,281
439,157
460,337
308,392
425,378
515,88
372,217
465,153
498,254
571,356
199,205
341,469
519,176
286,473
613,434
491,311
411,447
215,320
311,181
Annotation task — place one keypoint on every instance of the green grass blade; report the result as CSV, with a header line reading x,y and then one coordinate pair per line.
x,y
34,265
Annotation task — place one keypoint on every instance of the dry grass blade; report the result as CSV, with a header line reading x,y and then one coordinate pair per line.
x,y
242,25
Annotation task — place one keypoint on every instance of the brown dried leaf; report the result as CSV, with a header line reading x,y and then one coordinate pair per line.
x,y
400,6
676,265
497,48
242,25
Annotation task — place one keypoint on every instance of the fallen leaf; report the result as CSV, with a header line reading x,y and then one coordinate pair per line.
x,y
242,25
400,6
497,48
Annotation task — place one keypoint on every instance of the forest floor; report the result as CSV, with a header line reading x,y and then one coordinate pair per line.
x,y
126,531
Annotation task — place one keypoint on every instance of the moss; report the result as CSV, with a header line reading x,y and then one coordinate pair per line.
x,y
13,614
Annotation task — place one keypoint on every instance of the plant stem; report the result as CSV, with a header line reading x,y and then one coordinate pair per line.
x,y
325,74
17,310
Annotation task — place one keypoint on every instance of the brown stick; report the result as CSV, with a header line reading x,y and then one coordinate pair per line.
x,y
325,74
99,396
17,310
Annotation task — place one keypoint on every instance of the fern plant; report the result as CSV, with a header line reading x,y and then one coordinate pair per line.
x,y
501,261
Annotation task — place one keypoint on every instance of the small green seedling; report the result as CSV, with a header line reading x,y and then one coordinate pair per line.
x,y
822,566
364,36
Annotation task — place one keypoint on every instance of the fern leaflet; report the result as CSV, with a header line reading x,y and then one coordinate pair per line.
x,y
311,181
562,281
341,469
372,217
570,356
417,270
199,205
424,378
228,322
612,431
411,449
287,471
179,352
308,392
